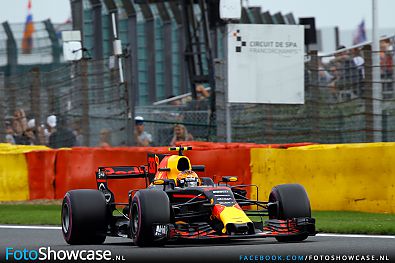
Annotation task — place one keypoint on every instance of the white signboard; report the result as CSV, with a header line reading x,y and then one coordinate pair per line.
x,y
265,63
230,9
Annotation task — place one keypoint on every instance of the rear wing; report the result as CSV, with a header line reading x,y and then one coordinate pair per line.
x,y
118,172
122,172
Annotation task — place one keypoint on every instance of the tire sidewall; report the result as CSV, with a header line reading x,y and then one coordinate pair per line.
x,y
87,220
153,207
67,202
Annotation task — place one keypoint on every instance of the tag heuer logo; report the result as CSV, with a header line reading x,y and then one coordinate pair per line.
x,y
240,42
160,230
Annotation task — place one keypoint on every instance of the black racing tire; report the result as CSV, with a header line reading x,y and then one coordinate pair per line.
x,y
148,207
293,202
84,217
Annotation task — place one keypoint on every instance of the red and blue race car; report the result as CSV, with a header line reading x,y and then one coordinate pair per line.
x,y
178,204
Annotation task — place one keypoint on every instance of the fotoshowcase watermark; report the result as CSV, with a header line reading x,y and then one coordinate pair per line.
x,y
310,258
48,254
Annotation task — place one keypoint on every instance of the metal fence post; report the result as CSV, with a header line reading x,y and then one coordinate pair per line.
x,y
54,41
167,48
77,15
97,29
150,43
97,54
181,47
376,77
50,95
2,108
12,62
131,64
85,101
35,95
368,94
221,101
314,94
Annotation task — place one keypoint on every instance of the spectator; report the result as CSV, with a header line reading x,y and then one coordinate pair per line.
x,y
51,128
180,134
9,136
386,62
332,85
359,62
77,132
19,123
27,137
62,137
202,92
346,72
324,77
105,138
174,102
141,137
36,134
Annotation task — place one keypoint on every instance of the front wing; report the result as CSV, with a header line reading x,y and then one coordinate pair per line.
x,y
272,228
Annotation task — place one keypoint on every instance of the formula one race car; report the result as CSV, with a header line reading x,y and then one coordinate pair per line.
x,y
178,204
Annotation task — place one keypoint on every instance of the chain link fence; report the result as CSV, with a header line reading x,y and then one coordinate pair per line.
x,y
338,103
88,99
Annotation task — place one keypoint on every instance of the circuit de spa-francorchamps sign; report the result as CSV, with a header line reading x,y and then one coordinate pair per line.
x,y
265,63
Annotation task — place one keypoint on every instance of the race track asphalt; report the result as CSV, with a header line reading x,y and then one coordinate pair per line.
x,y
252,250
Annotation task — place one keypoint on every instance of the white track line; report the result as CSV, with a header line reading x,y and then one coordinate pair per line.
x,y
32,227
354,236
319,234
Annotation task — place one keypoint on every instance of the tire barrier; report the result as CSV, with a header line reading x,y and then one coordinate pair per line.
x,y
353,177
41,174
356,177
14,181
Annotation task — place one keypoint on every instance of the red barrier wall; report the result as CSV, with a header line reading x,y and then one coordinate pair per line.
x,y
53,173
223,162
75,169
41,174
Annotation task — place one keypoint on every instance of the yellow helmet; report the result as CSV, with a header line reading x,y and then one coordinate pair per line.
x,y
187,178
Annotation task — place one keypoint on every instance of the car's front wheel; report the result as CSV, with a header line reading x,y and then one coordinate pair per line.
x,y
292,202
148,208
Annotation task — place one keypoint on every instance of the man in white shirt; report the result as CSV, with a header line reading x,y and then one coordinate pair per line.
x,y
141,137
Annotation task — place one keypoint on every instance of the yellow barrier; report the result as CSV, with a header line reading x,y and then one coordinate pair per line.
x,y
11,148
13,177
354,177
14,182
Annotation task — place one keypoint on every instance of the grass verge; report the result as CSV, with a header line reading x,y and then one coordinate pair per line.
x,y
30,214
326,221
355,222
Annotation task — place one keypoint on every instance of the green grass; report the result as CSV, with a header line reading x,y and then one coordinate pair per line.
x,y
29,214
328,222
354,222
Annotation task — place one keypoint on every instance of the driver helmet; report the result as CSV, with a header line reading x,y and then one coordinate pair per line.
x,y
187,178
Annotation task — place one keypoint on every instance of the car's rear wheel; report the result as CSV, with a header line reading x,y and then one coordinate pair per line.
x,y
293,202
148,207
84,217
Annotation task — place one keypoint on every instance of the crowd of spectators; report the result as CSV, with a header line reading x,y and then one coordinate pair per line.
x,y
344,75
53,133
143,138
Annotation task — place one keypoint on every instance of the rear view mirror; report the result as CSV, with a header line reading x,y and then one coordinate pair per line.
x,y
229,179
198,168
